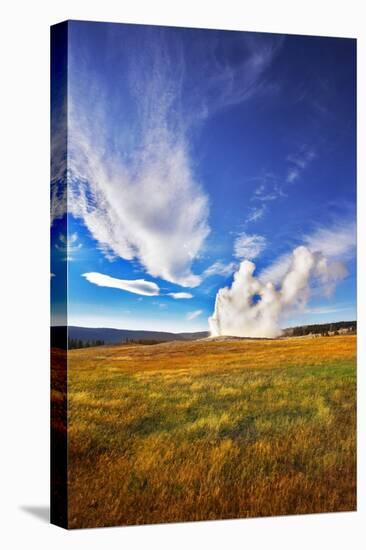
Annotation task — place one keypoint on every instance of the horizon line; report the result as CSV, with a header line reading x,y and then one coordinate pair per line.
x,y
194,331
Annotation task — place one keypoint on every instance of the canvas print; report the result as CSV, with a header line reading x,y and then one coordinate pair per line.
x,y
203,274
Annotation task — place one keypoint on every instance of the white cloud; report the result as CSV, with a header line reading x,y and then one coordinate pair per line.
x,y
180,295
299,162
256,214
302,157
228,84
194,314
130,174
249,246
268,188
337,241
220,268
136,191
138,286
154,211
324,310
293,175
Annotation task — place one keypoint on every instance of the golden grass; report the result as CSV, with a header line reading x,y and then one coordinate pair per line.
x,y
206,430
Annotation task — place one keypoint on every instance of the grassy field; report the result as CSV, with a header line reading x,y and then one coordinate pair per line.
x,y
206,430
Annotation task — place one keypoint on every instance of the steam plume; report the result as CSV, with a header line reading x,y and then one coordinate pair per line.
x,y
254,307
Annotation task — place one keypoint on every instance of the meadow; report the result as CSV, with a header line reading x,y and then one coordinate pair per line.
x,y
202,430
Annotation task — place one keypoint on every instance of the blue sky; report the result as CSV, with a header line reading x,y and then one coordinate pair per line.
x,y
191,150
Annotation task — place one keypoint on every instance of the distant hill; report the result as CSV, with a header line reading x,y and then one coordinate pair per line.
x,y
83,336
86,335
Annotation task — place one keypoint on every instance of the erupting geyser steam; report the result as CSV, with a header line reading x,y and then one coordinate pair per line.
x,y
253,308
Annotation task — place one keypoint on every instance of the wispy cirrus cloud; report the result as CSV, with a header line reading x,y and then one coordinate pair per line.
x,y
265,195
224,84
326,310
220,268
194,314
293,175
249,246
153,209
130,172
180,295
271,187
138,286
256,213
268,189
298,162
335,243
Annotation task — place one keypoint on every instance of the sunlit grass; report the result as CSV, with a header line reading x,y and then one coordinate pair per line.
x,y
206,430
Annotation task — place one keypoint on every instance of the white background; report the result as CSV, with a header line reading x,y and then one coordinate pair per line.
x,y
24,272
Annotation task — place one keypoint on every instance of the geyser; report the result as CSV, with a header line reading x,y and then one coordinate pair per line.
x,y
253,308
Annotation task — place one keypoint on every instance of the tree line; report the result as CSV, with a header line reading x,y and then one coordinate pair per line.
x,y
324,329
76,343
